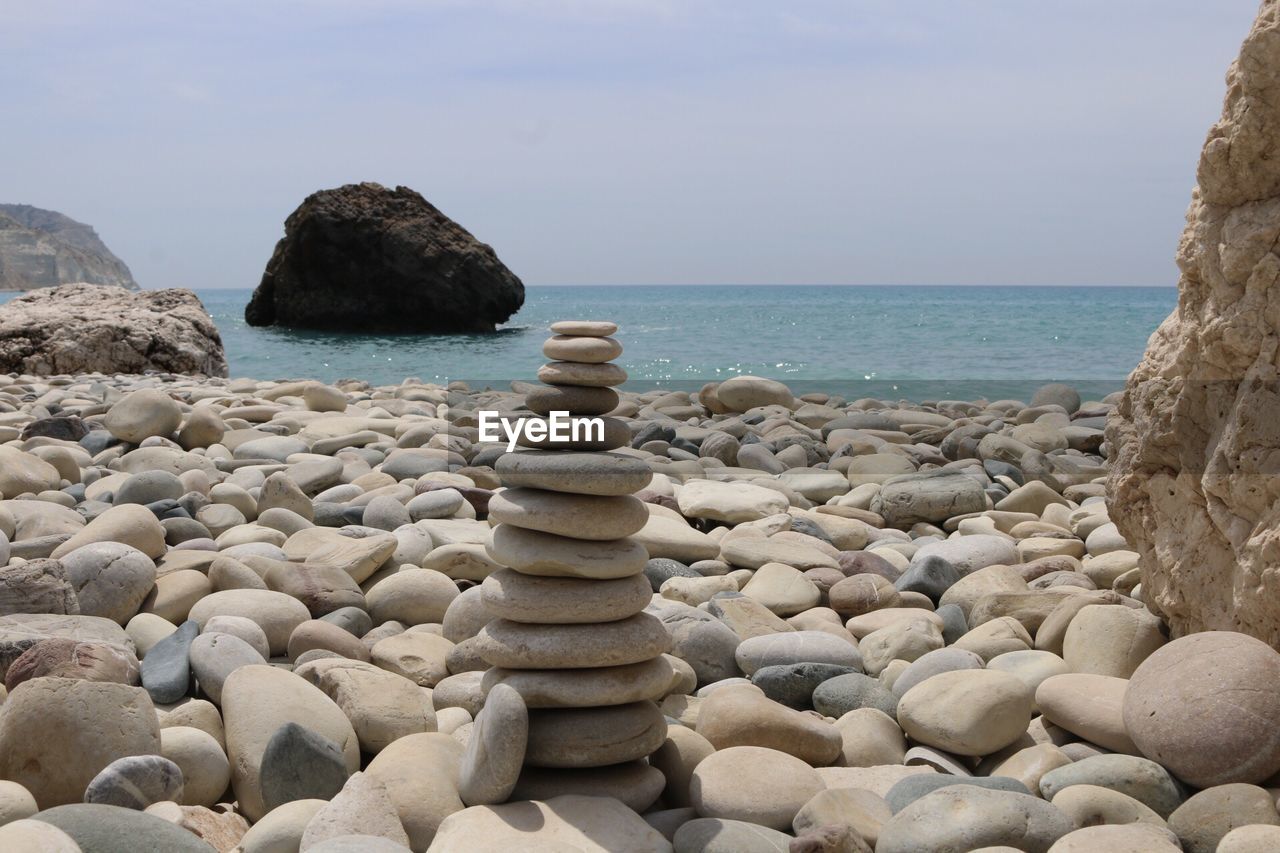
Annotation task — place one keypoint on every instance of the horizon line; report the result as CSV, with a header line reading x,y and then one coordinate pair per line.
x,y
770,284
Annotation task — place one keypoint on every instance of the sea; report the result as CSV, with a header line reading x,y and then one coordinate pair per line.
x,y
888,342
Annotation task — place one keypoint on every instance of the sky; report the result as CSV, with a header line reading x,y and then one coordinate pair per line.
x,y
614,142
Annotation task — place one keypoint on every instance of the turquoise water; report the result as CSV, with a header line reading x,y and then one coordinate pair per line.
x,y
914,342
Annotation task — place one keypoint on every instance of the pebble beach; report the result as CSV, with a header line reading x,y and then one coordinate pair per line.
x,y
278,616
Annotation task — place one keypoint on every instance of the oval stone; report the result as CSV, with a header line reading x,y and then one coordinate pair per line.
x,y
531,599
575,473
574,399
795,647
586,688
111,579
753,784
47,747
531,552
967,711
593,517
1205,707
512,645
967,817
582,349
256,702
584,328
135,782
594,737
575,373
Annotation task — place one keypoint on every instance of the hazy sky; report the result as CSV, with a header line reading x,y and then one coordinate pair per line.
x,y
632,141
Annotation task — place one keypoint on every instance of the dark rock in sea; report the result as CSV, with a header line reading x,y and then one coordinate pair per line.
x,y
87,328
370,259
44,248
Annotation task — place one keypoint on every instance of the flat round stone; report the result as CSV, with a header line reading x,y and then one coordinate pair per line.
x,y
586,688
548,555
594,737
575,399
541,600
594,517
577,373
607,434
584,328
513,645
582,349
575,473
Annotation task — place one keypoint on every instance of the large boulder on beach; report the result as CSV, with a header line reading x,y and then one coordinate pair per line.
x,y
1192,442
86,328
366,258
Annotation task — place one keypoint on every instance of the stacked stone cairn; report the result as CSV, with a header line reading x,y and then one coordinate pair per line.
x,y
570,635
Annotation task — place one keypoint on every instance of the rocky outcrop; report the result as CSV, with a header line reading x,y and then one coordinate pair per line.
x,y
82,328
365,258
1195,442
43,248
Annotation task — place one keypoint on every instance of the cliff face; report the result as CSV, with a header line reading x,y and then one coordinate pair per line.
x,y
367,258
43,248
1196,440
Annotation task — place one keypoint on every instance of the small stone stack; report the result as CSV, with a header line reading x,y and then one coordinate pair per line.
x,y
570,635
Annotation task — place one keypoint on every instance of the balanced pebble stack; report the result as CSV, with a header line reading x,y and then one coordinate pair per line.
x,y
571,636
